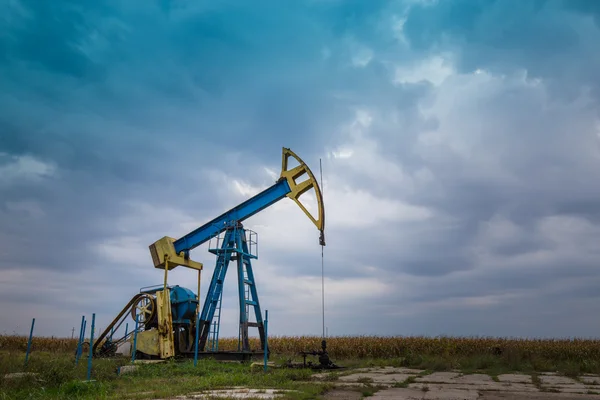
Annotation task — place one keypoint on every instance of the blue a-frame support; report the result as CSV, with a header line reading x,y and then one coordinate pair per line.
x,y
234,247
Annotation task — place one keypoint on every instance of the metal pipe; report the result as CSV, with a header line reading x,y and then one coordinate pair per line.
x,y
266,336
89,371
166,273
29,342
80,340
83,337
196,342
197,324
134,339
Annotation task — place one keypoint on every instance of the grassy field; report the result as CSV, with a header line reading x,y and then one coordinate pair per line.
x,y
58,377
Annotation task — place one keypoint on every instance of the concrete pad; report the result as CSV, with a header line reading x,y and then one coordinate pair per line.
x,y
149,361
358,384
515,378
570,389
237,393
590,379
416,394
451,394
399,394
439,377
474,379
126,369
491,387
375,378
562,384
341,394
536,396
517,387
555,380
400,370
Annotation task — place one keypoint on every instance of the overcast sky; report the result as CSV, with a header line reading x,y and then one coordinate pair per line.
x,y
460,143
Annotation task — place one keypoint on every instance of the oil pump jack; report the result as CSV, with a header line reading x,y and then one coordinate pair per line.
x,y
167,318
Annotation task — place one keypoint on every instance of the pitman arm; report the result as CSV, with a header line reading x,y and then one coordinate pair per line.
x,y
168,252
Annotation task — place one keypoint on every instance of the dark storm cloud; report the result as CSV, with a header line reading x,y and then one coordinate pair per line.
x,y
134,106
543,37
121,124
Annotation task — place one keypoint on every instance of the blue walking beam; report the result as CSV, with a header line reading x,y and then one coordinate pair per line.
x,y
168,253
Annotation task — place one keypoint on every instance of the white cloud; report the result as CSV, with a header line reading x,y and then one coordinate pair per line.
x,y
26,168
360,209
434,70
362,57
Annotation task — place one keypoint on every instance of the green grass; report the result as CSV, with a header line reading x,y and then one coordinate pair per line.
x,y
58,378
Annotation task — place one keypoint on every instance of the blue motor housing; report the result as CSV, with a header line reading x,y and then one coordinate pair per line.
x,y
183,305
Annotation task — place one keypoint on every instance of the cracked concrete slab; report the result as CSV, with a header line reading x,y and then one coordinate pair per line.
x,y
456,385
237,393
554,379
439,377
386,382
495,387
416,394
535,396
367,377
590,380
515,378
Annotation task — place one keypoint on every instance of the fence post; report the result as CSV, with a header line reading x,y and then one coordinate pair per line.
x,y
80,340
266,336
134,339
196,342
29,342
89,371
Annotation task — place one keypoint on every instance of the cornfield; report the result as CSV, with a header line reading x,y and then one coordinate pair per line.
x,y
19,343
377,347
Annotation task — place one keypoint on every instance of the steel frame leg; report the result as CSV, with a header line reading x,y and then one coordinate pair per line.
x,y
234,242
215,290
244,259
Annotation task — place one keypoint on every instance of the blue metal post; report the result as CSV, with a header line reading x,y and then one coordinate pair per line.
x,y
126,328
29,342
83,337
241,288
80,341
89,371
134,339
266,336
197,336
